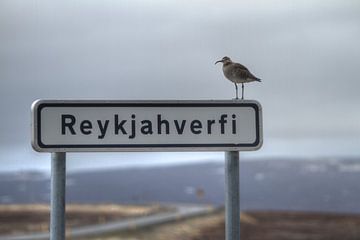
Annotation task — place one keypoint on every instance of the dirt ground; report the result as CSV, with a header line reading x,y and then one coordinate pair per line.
x,y
19,219
290,226
180,230
254,226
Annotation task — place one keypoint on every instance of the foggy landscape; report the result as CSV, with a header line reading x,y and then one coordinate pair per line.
x,y
306,54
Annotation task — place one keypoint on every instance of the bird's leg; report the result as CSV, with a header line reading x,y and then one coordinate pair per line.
x,y
236,87
242,88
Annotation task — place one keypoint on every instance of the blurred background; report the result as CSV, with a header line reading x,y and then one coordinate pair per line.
x,y
306,53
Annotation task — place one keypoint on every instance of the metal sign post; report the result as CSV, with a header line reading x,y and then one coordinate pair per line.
x,y
58,180
232,197
60,126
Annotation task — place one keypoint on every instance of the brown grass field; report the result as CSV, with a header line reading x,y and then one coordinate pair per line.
x,y
290,226
20,219
255,225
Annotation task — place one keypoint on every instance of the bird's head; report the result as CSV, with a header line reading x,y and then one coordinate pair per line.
x,y
224,60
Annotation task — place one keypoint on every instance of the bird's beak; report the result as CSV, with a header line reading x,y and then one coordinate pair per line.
x,y
219,61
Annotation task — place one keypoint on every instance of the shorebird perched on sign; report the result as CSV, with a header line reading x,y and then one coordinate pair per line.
x,y
237,73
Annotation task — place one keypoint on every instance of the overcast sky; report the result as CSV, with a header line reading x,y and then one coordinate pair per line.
x,y
307,53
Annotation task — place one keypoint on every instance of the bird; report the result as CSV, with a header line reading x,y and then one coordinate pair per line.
x,y
237,73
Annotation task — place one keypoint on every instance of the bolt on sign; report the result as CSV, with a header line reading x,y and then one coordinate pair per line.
x,y
110,126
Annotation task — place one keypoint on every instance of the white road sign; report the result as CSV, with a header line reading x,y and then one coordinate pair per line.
x,y
110,126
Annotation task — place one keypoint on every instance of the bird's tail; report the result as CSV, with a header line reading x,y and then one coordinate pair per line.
x,y
251,76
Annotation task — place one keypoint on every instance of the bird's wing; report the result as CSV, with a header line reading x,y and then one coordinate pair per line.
x,y
240,66
240,71
243,72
